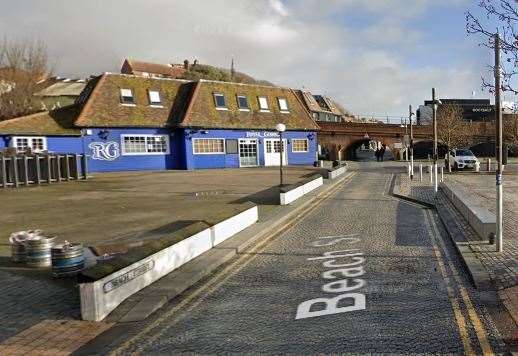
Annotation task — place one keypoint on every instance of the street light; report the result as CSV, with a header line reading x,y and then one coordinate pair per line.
x,y
410,113
435,103
280,129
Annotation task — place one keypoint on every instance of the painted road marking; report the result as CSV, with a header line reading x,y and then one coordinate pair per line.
x,y
211,286
345,285
475,320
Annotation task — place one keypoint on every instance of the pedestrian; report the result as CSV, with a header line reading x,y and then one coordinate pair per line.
x,y
382,152
377,154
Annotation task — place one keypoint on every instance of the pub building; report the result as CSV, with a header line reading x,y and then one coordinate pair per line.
x,y
126,122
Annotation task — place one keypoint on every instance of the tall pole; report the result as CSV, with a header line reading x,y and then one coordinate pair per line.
x,y
434,119
411,142
281,149
499,139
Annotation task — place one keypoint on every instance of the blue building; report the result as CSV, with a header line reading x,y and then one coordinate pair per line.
x,y
125,122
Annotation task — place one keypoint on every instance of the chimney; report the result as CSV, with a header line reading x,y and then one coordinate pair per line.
x,y
186,64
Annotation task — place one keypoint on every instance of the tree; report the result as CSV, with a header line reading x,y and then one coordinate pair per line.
x,y
22,66
511,129
452,129
505,14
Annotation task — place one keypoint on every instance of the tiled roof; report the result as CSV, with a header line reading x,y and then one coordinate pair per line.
x,y
55,122
165,70
103,107
203,113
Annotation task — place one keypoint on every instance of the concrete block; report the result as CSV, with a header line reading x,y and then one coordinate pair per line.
x,y
294,194
233,225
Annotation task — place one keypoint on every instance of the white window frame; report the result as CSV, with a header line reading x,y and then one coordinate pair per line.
x,y
123,147
287,109
247,102
132,96
210,153
216,103
299,139
157,104
261,108
29,142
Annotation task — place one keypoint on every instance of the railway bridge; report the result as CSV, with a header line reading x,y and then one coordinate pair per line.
x,y
341,140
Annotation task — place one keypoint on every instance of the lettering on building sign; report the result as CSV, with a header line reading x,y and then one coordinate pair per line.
x,y
262,134
482,110
105,151
344,268
128,276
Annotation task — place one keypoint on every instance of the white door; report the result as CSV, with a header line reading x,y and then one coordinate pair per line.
x,y
272,149
248,153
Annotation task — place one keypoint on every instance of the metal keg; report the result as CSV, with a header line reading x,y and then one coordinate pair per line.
x,y
67,259
18,244
38,251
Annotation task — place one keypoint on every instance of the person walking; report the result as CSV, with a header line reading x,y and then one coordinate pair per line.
x,y
382,152
377,154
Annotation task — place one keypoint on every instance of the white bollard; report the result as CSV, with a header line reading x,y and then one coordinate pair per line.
x,y
489,164
442,174
420,172
430,168
409,171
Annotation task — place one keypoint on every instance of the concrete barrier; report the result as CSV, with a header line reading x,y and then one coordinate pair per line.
x,y
479,217
335,173
293,192
104,286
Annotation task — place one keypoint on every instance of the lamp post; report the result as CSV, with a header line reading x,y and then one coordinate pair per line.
x,y
499,150
435,103
280,129
410,113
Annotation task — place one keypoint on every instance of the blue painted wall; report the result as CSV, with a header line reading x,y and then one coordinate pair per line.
x,y
198,161
181,150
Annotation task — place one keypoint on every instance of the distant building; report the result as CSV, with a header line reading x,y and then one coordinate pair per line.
x,y
476,110
154,70
57,92
322,108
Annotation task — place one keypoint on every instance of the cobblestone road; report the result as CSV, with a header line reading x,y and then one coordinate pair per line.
x,y
417,297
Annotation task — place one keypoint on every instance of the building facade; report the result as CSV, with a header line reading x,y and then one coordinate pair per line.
x,y
126,122
475,110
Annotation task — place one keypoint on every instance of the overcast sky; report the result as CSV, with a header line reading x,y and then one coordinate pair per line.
x,y
373,56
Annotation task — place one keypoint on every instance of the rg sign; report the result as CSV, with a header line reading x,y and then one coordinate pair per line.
x,y
105,151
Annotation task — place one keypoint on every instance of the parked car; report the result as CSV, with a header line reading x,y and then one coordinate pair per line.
x,y
461,158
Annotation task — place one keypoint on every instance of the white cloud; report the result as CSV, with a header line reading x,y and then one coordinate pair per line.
x,y
289,42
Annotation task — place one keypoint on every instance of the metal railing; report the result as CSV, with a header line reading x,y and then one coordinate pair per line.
x,y
25,169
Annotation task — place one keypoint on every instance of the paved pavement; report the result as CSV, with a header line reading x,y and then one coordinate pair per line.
x,y
361,273
503,267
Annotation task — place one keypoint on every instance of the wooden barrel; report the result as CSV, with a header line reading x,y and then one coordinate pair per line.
x,y
38,252
67,259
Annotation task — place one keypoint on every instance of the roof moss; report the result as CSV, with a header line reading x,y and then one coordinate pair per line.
x,y
203,112
55,122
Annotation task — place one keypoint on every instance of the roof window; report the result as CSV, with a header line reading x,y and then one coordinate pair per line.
x,y
154,98
220,102
127,97
283,105
263,103
242,102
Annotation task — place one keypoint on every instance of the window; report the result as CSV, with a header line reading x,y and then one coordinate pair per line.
x,y
127,97
263,103
283,105
299,145
145,144
208,146
154,98
242,103
219,100
35,144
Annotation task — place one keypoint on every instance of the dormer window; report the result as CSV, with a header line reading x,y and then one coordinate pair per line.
x,y
154,98
127,97
263,103
242,103
220,102
283,105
